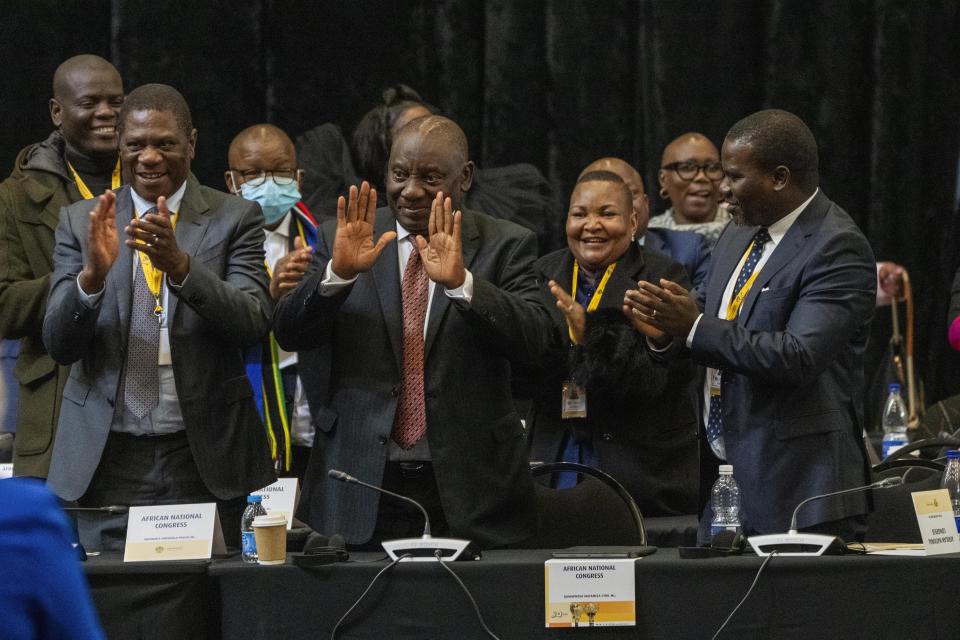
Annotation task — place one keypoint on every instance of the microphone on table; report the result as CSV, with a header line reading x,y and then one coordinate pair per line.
x,y
794,543
419,549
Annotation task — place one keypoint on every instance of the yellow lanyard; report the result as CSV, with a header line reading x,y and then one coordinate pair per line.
x,y
152,275
85,190
595,300
733,307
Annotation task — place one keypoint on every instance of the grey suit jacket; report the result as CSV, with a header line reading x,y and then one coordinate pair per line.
x,y
792,363
223,307
475,435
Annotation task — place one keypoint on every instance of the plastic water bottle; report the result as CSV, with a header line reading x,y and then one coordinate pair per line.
x,y
894,421
951,482
248,542
725,499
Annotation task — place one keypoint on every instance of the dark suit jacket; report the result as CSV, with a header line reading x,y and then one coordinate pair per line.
x,y
641,417
30,200
793,367
686,247
475,435
223,307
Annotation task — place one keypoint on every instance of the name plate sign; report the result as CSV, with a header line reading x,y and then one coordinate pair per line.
x,y
6,470
173,532
590,593
281,497
938,528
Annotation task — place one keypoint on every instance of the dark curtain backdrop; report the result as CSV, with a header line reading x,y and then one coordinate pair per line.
x,y
558,83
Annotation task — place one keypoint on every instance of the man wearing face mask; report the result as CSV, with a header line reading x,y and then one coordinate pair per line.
x,y
263,168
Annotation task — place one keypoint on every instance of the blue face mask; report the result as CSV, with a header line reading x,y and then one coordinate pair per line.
x,y
275,200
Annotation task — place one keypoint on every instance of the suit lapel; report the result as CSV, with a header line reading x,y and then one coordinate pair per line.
x,y
791,244
470,239
120,279
724,262
386,278
191,227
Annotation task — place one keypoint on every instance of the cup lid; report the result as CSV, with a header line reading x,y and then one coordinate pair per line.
x,y
270,520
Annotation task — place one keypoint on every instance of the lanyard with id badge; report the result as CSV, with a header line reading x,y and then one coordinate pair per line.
x,y
573,403
154,278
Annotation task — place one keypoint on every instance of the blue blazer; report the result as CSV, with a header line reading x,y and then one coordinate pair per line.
x,y
686,247
793,367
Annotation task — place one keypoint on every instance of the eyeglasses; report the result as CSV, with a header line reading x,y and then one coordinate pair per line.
x,y
689,170
257,178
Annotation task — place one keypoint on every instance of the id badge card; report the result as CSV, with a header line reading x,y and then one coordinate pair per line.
x,y
574,402
715,383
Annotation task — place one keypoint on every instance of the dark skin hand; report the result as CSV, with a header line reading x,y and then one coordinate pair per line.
x,y
661,313
354,250
290,269
153,236
572,311
102,246
442,253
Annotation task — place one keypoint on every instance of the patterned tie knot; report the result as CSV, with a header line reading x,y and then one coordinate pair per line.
x,y
762,237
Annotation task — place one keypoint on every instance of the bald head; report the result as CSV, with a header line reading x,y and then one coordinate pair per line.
x,y
429,156
689,176
258,149
76,68
87,96
437,129
634,183
253,140
691,142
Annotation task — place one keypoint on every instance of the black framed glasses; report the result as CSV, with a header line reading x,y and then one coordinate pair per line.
x,y
689,170
281,177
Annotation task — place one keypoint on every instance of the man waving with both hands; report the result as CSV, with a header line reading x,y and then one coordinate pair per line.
x,y
422,307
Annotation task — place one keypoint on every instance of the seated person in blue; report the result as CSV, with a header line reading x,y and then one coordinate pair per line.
x,y
43,593
599,399
686,247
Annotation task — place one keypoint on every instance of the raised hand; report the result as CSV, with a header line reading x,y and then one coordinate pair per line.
x,y
290,269
572,310
660,313
353,248
153,236
103,245
442,254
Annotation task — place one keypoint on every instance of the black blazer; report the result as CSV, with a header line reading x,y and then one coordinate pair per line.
x,y
640,415
474,433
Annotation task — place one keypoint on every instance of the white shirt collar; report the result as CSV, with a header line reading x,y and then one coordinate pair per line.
x,y
173,202
283,229
779,228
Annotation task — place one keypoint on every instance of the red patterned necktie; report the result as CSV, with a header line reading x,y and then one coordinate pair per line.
x,y
410,421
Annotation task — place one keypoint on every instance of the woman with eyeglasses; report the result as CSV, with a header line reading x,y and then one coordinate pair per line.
x,y
690,175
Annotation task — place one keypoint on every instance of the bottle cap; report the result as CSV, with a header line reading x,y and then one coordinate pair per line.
x,y
254,499
726,469
893,388
953,454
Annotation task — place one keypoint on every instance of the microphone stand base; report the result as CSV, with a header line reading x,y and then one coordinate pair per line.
x,y
796,544
423,549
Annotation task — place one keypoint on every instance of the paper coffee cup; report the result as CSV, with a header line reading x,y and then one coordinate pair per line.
x,y
270,532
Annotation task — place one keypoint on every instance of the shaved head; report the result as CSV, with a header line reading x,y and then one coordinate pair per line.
x,y
85,107
672,151
65,77
257,137
262,150
634,183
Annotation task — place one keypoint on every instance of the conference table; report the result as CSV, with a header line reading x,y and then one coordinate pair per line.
x,y
850,596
